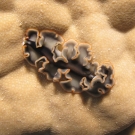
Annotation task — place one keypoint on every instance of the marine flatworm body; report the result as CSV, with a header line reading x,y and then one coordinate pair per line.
x,y
68,63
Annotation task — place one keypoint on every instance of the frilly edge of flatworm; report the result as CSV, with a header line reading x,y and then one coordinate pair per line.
x,y
68,63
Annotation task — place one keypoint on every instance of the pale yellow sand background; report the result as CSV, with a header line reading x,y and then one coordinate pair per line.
x,y
29,103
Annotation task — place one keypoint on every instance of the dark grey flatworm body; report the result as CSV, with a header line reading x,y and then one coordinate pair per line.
x,y
68,63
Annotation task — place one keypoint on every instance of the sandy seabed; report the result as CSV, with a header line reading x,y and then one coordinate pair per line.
x,y
31,105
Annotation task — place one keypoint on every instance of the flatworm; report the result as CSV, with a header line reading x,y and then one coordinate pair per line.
x,y
68,63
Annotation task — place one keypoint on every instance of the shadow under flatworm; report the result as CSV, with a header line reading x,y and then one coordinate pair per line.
x,y
44,132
